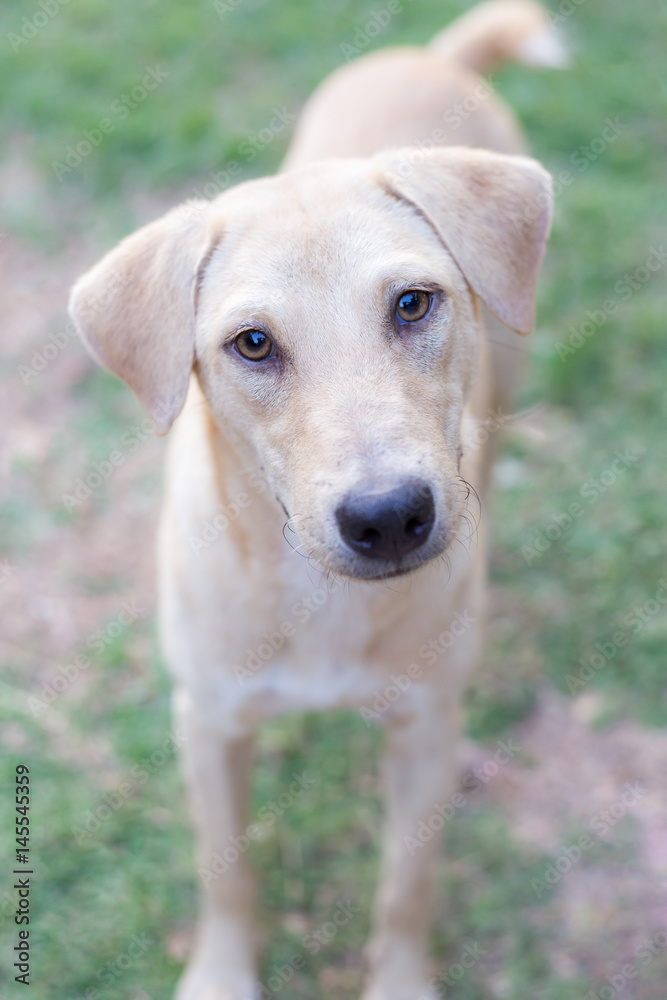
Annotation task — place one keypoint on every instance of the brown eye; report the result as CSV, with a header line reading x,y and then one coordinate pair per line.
x,y
254,345
412,305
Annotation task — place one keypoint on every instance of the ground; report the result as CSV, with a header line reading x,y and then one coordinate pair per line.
x,y
556,878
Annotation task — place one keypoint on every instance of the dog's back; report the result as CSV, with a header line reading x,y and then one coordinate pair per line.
x,y
424,97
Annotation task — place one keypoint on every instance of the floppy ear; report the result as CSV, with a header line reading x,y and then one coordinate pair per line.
x,y
135,309
492,212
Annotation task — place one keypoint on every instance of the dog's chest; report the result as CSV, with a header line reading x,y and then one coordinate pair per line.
x,y
332,644
316,657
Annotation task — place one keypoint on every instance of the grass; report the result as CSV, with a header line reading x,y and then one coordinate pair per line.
x,y
135,874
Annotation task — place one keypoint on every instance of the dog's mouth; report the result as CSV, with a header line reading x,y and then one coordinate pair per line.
x,y
402,571
371,571
392,574
376,534
351,564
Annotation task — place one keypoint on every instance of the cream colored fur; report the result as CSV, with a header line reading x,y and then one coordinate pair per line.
x,y
316,256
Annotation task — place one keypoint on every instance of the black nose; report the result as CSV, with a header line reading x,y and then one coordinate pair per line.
x,y
387,524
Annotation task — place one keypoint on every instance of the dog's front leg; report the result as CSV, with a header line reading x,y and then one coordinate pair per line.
x,y
222,966
420,774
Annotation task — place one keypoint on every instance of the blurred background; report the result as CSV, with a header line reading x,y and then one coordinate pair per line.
x,y
112,113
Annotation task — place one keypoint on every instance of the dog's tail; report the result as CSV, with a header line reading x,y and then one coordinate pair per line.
x,y
500,31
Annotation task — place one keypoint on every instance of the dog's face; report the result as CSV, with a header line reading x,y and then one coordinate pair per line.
x,y
336,334
331,320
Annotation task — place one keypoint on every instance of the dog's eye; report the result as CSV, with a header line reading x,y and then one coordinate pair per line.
x,y
412,305
254,345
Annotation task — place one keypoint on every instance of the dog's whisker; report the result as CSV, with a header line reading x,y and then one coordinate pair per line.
x,y
294,548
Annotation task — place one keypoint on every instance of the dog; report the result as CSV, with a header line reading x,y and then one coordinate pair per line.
x,y
329,339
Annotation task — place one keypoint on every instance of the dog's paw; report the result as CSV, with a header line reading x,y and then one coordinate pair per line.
x,y
204,983
417,991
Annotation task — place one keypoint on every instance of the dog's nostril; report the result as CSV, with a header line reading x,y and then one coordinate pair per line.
x,y
387,524
368,536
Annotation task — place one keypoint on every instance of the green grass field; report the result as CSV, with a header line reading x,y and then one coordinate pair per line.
x,y
569,589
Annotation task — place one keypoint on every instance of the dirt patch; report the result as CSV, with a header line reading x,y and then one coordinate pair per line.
x,y
607,891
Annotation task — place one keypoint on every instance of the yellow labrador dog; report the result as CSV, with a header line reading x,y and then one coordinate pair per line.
x,y
320,336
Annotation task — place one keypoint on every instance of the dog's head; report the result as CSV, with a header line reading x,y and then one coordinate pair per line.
x,y
330,316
